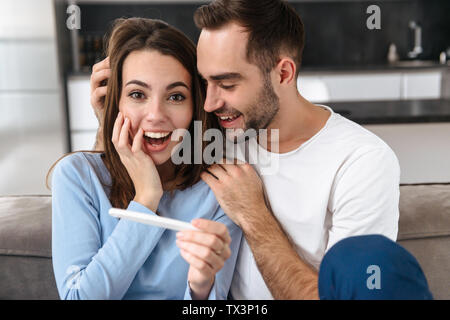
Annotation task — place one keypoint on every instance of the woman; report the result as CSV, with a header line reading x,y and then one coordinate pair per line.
x,y
153,90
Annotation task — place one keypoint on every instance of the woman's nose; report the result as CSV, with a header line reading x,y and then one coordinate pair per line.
x,y
155,111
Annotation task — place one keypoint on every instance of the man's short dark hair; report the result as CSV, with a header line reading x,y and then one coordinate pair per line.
x,y
273,26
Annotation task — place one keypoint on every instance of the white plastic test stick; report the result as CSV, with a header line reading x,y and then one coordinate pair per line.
x,y
145,218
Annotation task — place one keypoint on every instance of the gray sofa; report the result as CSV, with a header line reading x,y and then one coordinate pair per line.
x,y
25,241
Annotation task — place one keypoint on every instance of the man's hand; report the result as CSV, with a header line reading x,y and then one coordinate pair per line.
x,y
239,191
100,74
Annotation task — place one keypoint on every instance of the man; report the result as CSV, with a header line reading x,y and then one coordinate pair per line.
x,y
335,179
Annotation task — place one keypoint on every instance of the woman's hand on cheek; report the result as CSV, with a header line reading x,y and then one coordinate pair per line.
x,y
139,165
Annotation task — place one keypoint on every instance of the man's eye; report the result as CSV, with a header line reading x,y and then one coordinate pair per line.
x,y
136,95
227,87
177,97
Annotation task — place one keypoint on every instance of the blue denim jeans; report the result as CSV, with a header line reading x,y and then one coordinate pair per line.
x,y
371,267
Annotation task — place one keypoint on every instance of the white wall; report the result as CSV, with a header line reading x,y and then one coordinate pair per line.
x,y
32,131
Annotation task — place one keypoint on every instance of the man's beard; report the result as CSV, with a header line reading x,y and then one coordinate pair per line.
x,y
258,115
261,113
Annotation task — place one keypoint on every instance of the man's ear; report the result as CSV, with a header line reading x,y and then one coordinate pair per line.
x,y
286,70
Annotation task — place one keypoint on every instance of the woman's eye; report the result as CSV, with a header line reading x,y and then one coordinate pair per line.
x,y
136,95
177,97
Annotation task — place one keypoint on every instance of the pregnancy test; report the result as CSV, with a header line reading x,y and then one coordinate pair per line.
x,y
157,221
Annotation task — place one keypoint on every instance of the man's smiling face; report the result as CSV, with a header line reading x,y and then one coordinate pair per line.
x,y
237,91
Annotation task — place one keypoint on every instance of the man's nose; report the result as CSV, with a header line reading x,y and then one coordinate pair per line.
x,y
213,100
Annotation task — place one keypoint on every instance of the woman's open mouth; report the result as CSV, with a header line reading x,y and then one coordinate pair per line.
x,y
156,141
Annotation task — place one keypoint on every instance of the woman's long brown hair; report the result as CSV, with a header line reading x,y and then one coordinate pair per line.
x,y
133,34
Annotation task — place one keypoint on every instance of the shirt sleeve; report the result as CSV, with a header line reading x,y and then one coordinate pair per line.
x,y
365,197
85,268
222,282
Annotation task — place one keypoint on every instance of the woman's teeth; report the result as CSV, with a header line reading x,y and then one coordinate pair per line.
x,y
156,135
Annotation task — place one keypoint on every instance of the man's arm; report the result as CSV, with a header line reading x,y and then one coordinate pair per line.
x,y
99,146
239,192
286,275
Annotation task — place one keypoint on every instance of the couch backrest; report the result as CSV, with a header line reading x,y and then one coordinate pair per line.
x,y
26,270
424,230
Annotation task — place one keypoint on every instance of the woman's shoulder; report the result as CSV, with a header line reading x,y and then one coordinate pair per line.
x,y
78,164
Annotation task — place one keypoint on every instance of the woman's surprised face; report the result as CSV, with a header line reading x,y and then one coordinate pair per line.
x,y
156,96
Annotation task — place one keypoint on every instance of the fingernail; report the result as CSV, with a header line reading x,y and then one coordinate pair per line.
x,y
180,235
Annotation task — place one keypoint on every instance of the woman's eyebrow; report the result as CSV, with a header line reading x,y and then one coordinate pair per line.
x,y
139,83
177,84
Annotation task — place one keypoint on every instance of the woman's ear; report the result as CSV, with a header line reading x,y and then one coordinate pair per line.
x,y
286,70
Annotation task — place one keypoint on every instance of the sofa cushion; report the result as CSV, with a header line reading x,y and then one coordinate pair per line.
x,y
424,211
25,226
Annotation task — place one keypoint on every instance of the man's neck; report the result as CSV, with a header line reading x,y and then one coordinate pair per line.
x,y
298,120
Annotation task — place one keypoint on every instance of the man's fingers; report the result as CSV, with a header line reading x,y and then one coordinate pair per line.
x,y
218,171
101,65
98,77
99,93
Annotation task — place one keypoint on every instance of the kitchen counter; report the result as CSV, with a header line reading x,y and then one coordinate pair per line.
x,y
403,66
392,112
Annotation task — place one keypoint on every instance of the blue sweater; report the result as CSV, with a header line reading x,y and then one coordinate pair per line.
x,y
96,256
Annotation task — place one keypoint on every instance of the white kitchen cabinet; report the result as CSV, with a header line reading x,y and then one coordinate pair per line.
x,y
81,114
370,86
363,87
423,150
83,123
422,85
350,86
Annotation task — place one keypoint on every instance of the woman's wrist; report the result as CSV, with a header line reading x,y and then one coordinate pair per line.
x,y
201,292
151,203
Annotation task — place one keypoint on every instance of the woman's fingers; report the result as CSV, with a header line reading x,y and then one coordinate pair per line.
x,y
138,141
211,241
205,254
124,142
210,244
214,227
197,263
116,129
120,135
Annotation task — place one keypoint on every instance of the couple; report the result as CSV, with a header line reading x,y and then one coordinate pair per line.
x,y
335,179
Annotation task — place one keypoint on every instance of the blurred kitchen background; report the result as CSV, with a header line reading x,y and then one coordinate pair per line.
x,y
395,81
